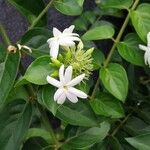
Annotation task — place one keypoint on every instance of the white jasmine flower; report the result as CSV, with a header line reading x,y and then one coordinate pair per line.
x,y
65,38
147,50
66,86
25,47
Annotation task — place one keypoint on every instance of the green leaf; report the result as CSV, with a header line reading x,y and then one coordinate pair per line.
x,y
75,114
38,70
98,58
99,33
30,9
140,142
2,53
14,122
38,132
8,72
87,138
141,20
115,80
129,49
107,105
36,39
69,7
119,4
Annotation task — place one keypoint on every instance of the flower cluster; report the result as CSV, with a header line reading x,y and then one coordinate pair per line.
x,y
74,58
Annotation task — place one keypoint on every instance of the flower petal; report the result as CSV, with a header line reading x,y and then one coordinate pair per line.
x,y
53,81
73,98
77,92
146,58
68,74
54,48
61,98
58,93
56,32
148,39
76,80
61,74
69,30
142,47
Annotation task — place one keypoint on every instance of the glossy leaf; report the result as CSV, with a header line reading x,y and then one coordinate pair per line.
x,y
119,4
69,7
129,50
14,122
141,20
107,105
38,132
115,80
99,33
36,39
38,70
75,114
8,73
140,142
87,138
30,9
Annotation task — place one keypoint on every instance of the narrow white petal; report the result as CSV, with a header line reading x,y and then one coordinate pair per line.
x,y
77,92
146,58
69,30
148,39
142,47
19,46
76,80
54,48
56,32
61,74
61,99
73,98
68,74
58,93
28,48
53,81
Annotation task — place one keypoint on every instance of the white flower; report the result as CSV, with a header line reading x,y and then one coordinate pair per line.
x,y
65,38
65,86
147,50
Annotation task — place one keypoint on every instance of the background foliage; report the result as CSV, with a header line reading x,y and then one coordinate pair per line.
x,y
117,114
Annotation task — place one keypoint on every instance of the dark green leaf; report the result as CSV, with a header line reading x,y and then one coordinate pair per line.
x,y
141,20
88,138
119,4
30,9
69,7
129,50
14,122
140,142
8,74
115,80
36,39
38,70
38,132
107,105
2,53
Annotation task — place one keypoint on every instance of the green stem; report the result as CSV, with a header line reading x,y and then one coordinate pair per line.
x,y
4,35
48,126
41,15
115,44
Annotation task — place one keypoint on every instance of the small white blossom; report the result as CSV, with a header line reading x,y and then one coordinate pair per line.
x,y
65,38
65,86
24,47
147,50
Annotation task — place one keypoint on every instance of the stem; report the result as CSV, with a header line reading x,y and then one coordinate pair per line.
x,y
41,15
4,35
48,126
121,124
115,44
